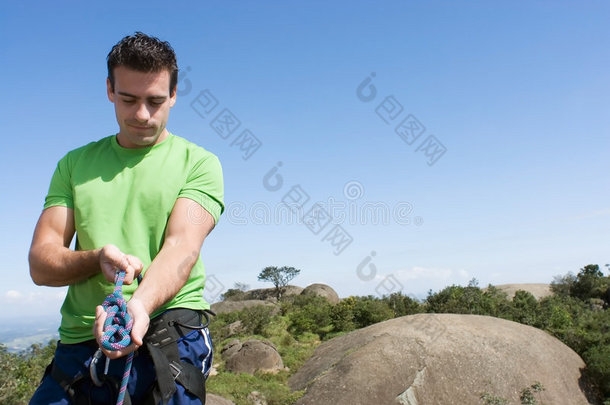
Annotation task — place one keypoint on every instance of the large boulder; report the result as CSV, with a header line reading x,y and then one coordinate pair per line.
x,y
253,355
323,290
224,307
440,359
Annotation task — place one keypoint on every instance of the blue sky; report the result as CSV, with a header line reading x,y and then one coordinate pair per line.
x,y
514,93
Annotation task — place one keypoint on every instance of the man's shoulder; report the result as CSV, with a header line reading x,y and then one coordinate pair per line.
x,y
77,153
193,148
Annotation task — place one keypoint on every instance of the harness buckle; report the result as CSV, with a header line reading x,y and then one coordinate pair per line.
x,y
176,369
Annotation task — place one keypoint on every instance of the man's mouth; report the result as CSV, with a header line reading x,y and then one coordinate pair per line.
x,y
139,127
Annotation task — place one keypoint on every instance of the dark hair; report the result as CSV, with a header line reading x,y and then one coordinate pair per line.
x,y
145,54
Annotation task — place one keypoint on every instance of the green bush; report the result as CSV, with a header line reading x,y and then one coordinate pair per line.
x,y
237,387
342,315
402,305
20,373
370,310
590,283
310,313
525,308
469,300
597,359
220,321
255,319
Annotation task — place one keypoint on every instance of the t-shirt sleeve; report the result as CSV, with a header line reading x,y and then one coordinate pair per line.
x,y
205,186
60,189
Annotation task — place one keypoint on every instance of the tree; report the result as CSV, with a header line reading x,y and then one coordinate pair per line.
x,y
590,283
279,276
237,293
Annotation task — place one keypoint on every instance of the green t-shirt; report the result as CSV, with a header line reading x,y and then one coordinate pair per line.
x,y
124,197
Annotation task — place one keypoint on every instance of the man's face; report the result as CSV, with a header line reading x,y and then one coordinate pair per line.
x,y
141,103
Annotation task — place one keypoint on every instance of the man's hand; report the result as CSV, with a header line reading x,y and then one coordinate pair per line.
x,y
112,259
141,321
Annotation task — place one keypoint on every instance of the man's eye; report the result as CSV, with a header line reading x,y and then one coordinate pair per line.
x,y
156,102
128,101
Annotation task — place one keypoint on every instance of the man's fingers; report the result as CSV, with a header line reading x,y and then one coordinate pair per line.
x,y
115,354
98,325
141,321
133,267
98,331
138,332
113,260
135,263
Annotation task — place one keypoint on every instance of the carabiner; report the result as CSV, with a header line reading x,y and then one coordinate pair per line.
x,y
93,367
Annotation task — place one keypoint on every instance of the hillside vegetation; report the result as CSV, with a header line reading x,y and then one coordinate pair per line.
x,y
577,313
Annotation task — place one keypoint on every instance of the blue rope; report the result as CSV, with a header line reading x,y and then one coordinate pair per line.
x,y
117,328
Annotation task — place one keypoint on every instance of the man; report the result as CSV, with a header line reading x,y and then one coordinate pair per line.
x,y
141,201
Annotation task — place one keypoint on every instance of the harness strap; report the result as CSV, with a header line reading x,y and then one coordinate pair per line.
x,y
67,382
160,342
71,385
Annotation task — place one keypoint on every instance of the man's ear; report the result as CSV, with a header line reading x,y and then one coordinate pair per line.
x,y
172,97
109,90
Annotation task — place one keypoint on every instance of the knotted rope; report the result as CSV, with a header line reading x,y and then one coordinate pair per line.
x,y
117,328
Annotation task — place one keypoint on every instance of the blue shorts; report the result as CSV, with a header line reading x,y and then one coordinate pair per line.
x,y
74,359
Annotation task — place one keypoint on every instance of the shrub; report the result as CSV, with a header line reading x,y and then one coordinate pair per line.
x,y
370,310
20,373
402,305
310,313
525,308
256,318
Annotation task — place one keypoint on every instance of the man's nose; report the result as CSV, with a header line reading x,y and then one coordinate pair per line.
x,y
142,113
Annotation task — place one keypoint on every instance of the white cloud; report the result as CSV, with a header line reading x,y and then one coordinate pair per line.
x,y
418,273
39,301
13,295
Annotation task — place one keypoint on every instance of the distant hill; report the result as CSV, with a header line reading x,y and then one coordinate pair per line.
x,y
537,290
20,333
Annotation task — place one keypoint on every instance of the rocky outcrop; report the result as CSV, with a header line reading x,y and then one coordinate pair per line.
x,y
253,355
440,359
269,293
323,290
232,329
224,307
537,290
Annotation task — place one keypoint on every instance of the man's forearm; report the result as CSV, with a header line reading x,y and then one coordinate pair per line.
x,y
166,275
55,266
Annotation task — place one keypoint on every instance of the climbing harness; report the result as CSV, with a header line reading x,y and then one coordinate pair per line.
x,y
117,331
160,343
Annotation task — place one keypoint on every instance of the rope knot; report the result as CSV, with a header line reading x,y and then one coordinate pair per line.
x,y
117,328
118,324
